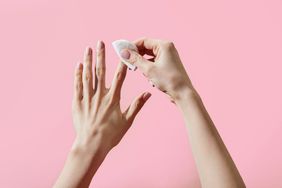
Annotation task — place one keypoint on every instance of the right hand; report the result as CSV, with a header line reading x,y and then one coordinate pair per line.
x,y
165,70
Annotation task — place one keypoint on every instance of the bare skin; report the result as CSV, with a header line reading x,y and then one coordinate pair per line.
x,y
98,120
100,124
214,163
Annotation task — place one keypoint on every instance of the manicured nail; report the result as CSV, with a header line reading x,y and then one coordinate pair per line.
x,y
100,45
125,54
146,96
77,65
88,51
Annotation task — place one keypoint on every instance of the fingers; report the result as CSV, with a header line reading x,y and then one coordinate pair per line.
x,y
136,106
147,46
87,75
100,67
119,77
139,61
78,83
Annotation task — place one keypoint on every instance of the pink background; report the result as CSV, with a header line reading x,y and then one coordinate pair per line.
x,y
232,51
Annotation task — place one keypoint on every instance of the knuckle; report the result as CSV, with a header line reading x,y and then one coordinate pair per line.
x,y
150,70
88,76
146,73
77,73
78,86
119,76
168,44
88,60
100,53
75,106
100,71
137,103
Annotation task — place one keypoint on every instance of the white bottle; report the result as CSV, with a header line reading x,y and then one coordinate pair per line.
x,y
121,44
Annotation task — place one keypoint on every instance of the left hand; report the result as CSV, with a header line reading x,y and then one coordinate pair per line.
x,y
97,117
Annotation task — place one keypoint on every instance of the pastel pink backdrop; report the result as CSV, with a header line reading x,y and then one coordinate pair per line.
x,y
232,51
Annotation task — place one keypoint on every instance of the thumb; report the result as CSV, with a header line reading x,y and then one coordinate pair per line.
x,y
136,59
136,106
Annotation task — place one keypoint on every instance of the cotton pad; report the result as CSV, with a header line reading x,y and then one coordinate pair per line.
x,y
119,45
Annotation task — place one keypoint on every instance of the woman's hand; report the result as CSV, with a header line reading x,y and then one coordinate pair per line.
x,y
97,116
215,165
164,70
98,120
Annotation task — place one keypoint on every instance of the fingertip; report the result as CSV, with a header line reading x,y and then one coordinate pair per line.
x,y
87,51
88,57
146,96
100,45
78,65
78,69
125,53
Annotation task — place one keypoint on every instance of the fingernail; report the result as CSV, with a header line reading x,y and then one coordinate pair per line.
x,y
146,96
100,45
77,65
125,54
88,51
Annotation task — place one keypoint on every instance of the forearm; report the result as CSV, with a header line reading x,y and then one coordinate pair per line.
x,y
215,165
80,166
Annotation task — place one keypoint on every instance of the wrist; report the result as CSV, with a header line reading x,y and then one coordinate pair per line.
x,y
89,147
84,159
186,94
